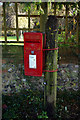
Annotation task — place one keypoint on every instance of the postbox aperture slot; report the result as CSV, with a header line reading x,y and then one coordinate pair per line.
x,y
31,41
33,46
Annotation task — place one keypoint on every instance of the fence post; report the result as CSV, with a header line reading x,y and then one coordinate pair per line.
x,y
77,29
54,8
79,52
66,24
4,15
43,17
28,19
17,32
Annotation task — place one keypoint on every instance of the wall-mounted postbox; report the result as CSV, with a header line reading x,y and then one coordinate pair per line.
x,y
33,53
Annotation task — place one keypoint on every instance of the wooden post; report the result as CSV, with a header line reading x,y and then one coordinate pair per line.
x,y
50,78
29,20
51,65
77,29
51,87
66,24
5,29
54,8
79,52
17,32
43,17
49,6
79,25
42,22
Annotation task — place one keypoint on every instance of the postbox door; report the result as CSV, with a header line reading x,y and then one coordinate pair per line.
x,y
33,56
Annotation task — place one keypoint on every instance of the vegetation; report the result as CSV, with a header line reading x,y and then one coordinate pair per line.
x,y
30,102
26,105
29,105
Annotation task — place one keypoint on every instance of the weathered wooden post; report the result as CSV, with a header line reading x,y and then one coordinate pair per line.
x,y
50,74
29,19
77,29
79,48
5,29
17,30
51,65
66,24
43,17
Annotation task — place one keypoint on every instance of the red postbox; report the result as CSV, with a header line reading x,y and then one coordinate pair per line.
x,y
33,53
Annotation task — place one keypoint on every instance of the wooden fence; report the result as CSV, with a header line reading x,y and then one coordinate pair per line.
x,y
5,28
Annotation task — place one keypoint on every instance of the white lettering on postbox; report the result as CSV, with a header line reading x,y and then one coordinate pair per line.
x,y
32,61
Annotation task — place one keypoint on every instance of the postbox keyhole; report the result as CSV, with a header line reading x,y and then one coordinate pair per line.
x,y
32,52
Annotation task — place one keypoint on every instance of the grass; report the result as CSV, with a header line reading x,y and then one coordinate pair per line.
x,y
9,38
19,44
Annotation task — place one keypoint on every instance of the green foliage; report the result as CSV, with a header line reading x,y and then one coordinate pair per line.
x,y
61,37
43,115
24,104
60,5
71,39
27,5
74,6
